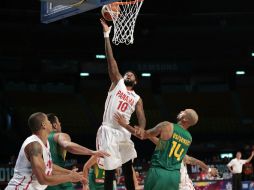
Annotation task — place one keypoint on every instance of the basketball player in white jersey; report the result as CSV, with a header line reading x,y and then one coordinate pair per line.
x,y
34,169
111,137
185,181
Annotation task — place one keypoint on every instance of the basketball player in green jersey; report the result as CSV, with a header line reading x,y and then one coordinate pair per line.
x,y
60,143
96,175
174,141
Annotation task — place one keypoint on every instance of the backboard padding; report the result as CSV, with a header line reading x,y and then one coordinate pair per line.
x,y
52,11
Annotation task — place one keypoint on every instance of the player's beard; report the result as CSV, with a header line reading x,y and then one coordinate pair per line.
x,y
129,83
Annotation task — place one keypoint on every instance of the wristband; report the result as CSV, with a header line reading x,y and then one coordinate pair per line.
x,y
106,34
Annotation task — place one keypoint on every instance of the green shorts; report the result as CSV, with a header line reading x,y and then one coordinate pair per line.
x,y
63,186
161,179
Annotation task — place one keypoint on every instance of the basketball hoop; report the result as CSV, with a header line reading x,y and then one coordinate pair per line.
x,y
124,22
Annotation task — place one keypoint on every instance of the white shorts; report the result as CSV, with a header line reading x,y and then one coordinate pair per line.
x,y
118,144
185,183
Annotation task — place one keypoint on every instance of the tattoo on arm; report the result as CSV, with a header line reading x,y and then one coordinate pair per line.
x,y
158,128
201,164
192,161
33,149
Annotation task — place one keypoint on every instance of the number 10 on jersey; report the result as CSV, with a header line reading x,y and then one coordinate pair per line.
x,y
122,106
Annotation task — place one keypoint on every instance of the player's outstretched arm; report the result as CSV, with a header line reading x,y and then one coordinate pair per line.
x,y
164,129
141,119
92,160
34,154
119,118
113,70
140,114
65,142
193,161
59,170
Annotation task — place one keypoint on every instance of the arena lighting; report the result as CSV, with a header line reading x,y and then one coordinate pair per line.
x,y
240,72
84,74
100,56
252,54
226,155
146,74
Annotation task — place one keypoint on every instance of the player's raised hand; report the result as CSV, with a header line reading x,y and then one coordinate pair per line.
x,y
105,26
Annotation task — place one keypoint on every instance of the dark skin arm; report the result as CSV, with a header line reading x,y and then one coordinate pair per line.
x,y
113,70
141,119
140,114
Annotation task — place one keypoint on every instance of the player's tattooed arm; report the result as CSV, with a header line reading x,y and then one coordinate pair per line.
x,y
193,161
33,149
34,154
163,129
190,160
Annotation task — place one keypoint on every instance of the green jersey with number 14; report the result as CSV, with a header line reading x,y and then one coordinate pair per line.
x,y
169,153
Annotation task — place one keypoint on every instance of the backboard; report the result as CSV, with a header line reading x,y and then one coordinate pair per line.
x,y
53,10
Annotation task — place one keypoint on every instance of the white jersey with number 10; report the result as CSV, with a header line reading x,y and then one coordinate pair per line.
x,y
119,100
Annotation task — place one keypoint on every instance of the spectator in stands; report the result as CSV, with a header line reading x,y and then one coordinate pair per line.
x,y
235,167
34,168
60,144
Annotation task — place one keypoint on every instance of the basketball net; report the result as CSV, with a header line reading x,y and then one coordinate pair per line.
x,y
124,20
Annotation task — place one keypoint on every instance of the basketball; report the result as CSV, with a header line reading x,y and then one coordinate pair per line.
x,y
106,9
